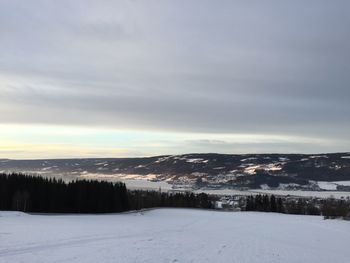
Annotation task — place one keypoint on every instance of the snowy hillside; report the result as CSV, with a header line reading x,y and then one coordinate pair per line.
x,y
194,171
203,171
173,235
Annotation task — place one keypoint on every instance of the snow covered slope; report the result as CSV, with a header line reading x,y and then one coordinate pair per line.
x,y
238,171
173,235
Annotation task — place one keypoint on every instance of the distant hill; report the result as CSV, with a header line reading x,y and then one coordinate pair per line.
x,y
243,171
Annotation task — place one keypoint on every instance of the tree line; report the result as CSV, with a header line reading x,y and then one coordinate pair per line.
x,y
48,195
37,194
264,203
329,208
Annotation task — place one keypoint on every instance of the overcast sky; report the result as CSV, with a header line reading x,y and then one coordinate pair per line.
x,y
133,78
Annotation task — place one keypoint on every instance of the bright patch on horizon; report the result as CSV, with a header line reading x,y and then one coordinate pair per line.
x,y
47,141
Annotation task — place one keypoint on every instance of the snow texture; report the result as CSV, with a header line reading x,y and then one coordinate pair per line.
x,y
173,235
332,185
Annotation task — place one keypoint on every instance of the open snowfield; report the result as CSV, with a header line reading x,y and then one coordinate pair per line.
x,y
173,235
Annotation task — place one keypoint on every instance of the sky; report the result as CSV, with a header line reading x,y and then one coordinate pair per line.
x,y
141,78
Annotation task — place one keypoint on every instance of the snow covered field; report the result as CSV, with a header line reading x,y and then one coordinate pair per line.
x,y
173,235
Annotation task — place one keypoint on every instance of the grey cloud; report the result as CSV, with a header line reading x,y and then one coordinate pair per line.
x,y
260,147
230,67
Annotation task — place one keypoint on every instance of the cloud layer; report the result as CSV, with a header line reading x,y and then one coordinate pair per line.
x,y
193,66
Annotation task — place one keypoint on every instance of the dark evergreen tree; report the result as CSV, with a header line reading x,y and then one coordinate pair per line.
x,y
280,206
273,204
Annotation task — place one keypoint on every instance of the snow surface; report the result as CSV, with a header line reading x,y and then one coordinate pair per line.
x,y
196,160
327,185
147,185
332,185
117,177
345,183
173,235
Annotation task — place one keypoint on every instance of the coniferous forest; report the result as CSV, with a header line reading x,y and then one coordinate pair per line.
x,y
28,193
37,194
329,208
